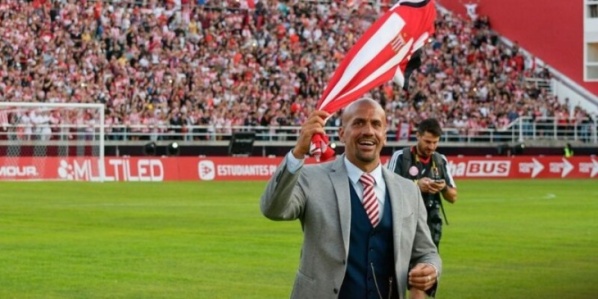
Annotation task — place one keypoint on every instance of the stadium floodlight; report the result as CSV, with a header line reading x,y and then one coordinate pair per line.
x,y
518,149
40,140
173,149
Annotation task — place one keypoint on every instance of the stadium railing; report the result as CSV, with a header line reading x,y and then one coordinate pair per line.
x,y
541,83
524,129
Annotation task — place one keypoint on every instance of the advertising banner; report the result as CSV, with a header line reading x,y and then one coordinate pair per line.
x,y
156,169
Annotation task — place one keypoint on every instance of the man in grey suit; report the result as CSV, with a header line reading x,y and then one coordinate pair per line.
x,y
365,230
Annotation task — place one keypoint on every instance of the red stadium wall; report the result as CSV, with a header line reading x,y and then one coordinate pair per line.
x,y
551,30
156,169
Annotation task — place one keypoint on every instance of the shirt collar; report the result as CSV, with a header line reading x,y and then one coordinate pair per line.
x,y
355,173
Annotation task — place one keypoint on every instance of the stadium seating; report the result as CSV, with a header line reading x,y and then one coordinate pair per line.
x,y
202,72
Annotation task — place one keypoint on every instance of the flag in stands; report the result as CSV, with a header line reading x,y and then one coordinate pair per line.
x,y
4,119
403,131
247,4
380,55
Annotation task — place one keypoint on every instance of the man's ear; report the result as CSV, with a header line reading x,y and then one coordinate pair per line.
x,y
341,134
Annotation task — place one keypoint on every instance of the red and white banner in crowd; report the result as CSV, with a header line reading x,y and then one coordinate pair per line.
x,y
239,169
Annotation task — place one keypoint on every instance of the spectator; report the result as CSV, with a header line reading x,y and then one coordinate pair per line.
x,y
180,53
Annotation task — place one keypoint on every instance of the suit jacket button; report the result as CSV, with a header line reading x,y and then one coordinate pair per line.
x,y
335,290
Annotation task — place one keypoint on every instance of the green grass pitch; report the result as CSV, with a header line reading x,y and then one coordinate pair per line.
x,y
506,239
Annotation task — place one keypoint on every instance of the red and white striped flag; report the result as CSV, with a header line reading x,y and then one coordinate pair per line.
x,y
248,4
4,119
403,131
380,55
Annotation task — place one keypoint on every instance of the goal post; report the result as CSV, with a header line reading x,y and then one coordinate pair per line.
x,y
52,141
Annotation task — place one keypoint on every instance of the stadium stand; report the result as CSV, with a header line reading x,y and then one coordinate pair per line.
x,y
193,70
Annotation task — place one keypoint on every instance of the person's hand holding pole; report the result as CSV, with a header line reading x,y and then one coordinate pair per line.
x,y
313,125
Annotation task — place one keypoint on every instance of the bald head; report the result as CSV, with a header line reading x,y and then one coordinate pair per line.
x,y
350,110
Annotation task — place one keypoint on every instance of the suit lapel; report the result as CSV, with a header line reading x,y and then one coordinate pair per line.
x,y
395,193
340,184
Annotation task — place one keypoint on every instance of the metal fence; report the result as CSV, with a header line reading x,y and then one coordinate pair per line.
x,y
524,129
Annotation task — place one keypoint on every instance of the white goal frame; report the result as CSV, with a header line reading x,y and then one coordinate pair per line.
x,y
99,127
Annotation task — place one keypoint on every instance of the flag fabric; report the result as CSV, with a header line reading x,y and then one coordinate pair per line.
x,y
471,9
4,119
381,54
247,4
403,131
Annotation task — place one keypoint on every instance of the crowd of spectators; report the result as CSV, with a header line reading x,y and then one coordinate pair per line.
x,y
156,63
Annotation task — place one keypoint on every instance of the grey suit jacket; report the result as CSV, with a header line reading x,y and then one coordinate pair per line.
x,y
319,196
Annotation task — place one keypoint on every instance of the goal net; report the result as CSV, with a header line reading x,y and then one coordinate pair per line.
x,y
51,141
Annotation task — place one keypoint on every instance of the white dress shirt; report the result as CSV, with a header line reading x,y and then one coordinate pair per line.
x,y
293,164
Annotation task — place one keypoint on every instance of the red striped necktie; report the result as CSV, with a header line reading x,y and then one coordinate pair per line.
x,y
370,201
